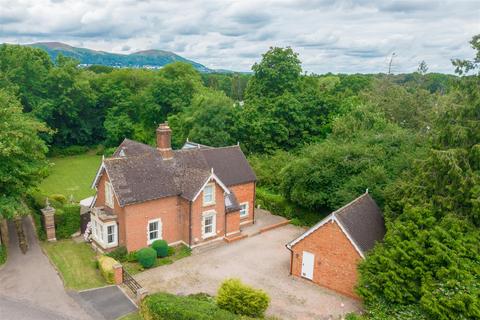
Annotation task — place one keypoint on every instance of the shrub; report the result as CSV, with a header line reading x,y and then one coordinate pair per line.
x,y
131,256
161,247
3,254
146,257
67,221
67,151
59,198
239,298
105,264
119,254
165,306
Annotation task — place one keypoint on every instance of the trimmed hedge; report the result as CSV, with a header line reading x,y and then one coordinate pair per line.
x,y
278,205
67,221
119,254
146,257
161,247
105,264
3,254
165,306
241,299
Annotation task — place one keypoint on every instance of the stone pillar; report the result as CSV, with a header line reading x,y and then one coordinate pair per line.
x,y
142,293
49,222
118,273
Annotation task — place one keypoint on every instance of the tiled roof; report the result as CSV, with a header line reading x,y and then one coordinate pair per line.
x,y
361,220
138,173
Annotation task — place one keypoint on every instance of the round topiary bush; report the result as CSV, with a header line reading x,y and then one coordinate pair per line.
x,y
59,198
146,257
241,299
161,247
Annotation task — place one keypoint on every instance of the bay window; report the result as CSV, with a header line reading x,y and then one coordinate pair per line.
x,y
104,233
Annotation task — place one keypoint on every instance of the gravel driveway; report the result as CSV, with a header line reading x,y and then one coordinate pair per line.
x,y
261,261
30,287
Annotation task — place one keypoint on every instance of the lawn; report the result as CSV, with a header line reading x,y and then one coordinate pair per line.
x,y
71,175
76,262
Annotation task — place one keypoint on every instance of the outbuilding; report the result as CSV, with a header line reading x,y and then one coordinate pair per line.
x,y
328,253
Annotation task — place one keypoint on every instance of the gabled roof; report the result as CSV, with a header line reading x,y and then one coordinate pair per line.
x,y
138,172
360,220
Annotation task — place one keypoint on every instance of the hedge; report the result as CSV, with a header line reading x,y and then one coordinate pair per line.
x,y
67,221
161,247
241,299
165,306
105,264
119,254
146,257
278,205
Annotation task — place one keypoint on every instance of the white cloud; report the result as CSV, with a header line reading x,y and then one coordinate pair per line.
x,y
331,36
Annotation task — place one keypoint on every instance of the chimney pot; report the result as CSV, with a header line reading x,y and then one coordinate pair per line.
x,y
164,141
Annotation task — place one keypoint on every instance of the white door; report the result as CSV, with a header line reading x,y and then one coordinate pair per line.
x,y
308,260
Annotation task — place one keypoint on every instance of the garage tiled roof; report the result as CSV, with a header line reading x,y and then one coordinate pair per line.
x,y
138,172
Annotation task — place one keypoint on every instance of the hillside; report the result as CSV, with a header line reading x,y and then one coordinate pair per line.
x,y
141,59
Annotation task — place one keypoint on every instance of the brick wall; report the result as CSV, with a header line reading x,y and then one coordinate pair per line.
x,y
336,260
245,193
233,222
198,209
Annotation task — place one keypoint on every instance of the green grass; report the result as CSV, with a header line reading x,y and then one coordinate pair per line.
x,y
3,254
72,175
131,316
76,262
179,252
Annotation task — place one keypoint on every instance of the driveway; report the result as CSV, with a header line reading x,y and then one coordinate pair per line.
x,y
29,285
261,261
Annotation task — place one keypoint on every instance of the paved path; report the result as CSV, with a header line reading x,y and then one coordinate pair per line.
x,y
29,285
261,261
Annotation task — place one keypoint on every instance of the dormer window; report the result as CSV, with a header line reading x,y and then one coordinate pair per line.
x,y
209,194
108,194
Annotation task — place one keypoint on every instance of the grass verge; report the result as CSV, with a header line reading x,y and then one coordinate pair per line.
x,y
72,175
76,262
131,316
178,253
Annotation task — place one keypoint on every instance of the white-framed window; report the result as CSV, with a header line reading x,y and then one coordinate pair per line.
x,y
104,233
154,230
209,224
108,194
209,194
244,210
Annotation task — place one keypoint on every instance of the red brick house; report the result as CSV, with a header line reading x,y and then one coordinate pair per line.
x,y
329,252
195,195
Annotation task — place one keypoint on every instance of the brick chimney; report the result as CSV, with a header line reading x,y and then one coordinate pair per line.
x,y
164,141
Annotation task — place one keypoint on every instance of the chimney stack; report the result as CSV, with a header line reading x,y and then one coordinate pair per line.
x,y
164,141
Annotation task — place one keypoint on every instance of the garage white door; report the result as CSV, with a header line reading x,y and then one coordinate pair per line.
x,y
307,265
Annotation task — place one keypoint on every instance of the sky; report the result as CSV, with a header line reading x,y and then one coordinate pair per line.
x,y
330,36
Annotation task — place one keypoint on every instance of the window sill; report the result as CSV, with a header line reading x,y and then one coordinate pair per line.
x,y
149,242
208,204
208,236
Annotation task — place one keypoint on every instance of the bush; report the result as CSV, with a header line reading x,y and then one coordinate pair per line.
x,y
161,247
105,264
59,198
239,298
165,306
131,256
3,254
119,254
146,257
68,151
67,221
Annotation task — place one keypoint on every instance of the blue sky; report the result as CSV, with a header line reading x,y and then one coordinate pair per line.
x,y
330,36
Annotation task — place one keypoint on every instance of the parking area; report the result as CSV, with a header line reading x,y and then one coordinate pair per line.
x,y
261,261
108,303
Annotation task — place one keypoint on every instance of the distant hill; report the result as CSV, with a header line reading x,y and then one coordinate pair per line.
x,y
141,59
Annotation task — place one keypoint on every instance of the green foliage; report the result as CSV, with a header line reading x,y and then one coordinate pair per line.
x,y
426,260
67,221
161,248
164,306
105,265
131,256
60,198
67,151
120,254
241,299
3,254
22,153
267,168
146,257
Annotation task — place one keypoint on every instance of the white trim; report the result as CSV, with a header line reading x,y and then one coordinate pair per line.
x,y
210,203
214,177
102,238
159,230
332,218
247,208
98,175
213,215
